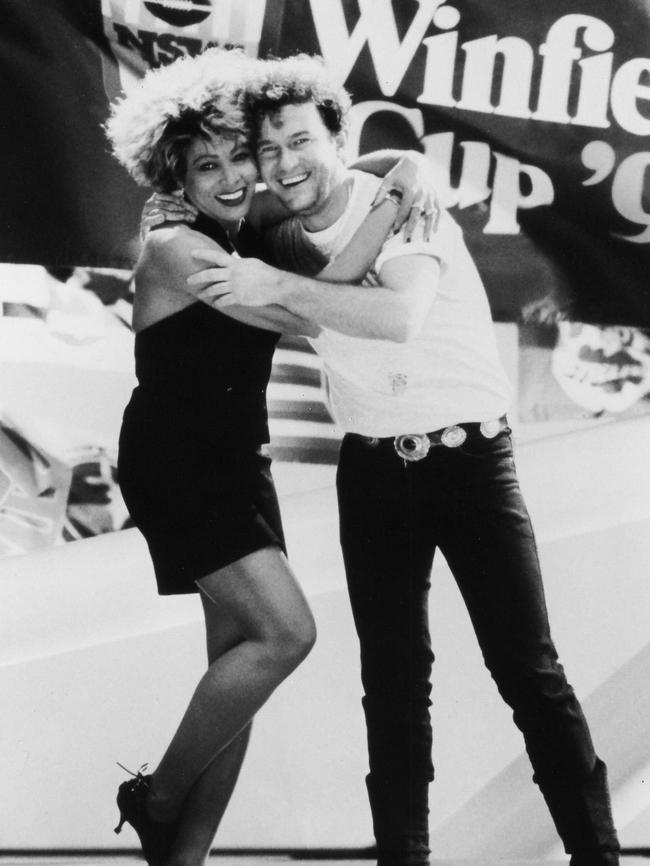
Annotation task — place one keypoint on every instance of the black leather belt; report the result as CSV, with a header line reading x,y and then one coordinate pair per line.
x,y
415,446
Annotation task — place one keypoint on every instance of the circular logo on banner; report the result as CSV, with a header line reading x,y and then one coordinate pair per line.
x,y
180,13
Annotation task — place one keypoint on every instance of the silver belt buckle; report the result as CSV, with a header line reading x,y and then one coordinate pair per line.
x,y
489,429
453,437
412,446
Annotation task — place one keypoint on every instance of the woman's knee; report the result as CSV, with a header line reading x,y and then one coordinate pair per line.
x,y
290,642
265,604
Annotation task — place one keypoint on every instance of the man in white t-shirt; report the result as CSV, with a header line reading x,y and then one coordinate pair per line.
x,y
426,462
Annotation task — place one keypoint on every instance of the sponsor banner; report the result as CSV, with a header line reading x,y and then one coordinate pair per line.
x,y
146,34
535,118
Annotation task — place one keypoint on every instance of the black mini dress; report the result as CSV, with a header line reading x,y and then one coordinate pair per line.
x,y
190,462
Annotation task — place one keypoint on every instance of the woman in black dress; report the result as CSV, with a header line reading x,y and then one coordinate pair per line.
x,y
191,466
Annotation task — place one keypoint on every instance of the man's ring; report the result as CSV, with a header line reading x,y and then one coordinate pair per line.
x,y
394,195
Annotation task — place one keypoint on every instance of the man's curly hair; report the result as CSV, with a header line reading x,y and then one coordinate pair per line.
x,y
151,128
296,80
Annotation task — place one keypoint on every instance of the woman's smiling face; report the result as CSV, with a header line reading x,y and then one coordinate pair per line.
x,y
220,177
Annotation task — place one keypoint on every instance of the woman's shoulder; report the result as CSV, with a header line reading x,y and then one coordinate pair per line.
x,y
171,240
168,249
165,260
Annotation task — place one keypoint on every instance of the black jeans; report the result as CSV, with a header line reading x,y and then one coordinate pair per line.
x,y
467,502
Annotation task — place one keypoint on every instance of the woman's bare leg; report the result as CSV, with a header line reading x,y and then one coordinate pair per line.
x,y
208,798
261,596
206,804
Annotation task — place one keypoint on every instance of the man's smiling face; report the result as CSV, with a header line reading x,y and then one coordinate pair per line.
x,y
300,162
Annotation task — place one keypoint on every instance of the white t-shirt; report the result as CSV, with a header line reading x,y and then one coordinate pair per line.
x,y
448,374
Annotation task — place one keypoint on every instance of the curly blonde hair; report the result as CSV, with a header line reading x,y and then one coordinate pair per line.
x,y
152,126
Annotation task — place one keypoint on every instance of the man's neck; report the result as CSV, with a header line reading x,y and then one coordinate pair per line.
x,y
333,208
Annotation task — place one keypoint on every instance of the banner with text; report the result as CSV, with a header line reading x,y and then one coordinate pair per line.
x,y
536,120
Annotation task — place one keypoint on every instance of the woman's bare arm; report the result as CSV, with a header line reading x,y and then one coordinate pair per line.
x,y
161,283
359,254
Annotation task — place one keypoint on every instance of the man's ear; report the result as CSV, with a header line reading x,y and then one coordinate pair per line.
x,y
341,141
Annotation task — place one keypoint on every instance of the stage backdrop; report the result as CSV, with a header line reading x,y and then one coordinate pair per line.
x,y
535,117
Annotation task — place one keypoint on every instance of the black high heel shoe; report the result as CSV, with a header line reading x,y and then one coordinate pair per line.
x,y
156,837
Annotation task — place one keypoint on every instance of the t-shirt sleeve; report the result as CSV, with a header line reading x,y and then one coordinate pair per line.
x,y
440,245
